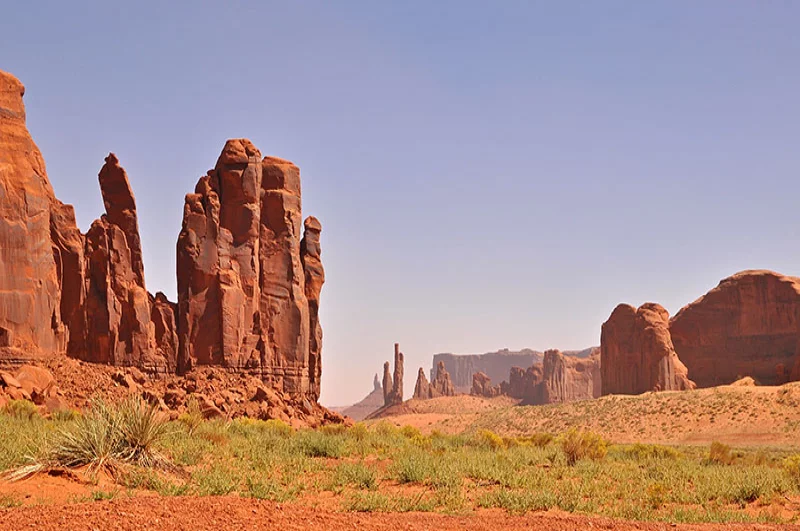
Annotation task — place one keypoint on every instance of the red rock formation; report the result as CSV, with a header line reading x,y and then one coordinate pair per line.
x,y
441,384
311,254
422,389
30,290
567,378
118,327
162,314
482,386
496,365
393,387
637,354
746,326
242,295
524,383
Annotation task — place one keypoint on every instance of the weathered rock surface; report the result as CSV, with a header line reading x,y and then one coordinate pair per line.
x,y
311,254
242,295
442,385
30,287
422,389
747,326
249,288
393,387
482,386
637,353
568,378
118,326
495,365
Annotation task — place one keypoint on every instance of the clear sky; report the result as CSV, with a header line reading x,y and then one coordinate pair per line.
x,y
488,174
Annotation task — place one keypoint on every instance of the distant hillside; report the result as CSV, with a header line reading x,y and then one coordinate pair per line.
x,y
496,365
370,403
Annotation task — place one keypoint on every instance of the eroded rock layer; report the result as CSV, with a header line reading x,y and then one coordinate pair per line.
x,y
747,326
248,296
30,283
637,353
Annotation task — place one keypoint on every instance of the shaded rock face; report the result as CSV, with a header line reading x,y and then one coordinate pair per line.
x,y
524,383
496,365
393,387
30,283
637,353
747,326
248,295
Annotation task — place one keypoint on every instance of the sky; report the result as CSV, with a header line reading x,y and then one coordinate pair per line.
x,y
488,174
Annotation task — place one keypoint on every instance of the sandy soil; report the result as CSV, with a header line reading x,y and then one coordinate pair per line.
x,y
735,414
234,513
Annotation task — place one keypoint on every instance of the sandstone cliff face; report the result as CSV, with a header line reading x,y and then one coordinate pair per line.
x,y
747,326
30,285
393,387
243,298
496,365
637,353
567,378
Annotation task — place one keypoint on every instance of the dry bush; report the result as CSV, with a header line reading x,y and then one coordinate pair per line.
x,y
578,445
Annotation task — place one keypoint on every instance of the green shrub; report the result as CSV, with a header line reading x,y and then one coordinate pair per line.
x,y
192,418
359,431
489,439
412,468
540,440
578,445
319,444
356,474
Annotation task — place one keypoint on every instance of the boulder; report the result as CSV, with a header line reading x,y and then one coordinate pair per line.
x,y
637,353
35,380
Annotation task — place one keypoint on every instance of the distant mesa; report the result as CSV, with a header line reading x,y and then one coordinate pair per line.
x,y
495,365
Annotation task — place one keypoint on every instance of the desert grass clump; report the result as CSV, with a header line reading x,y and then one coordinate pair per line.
x,y
105,437
644,452
489,439
192,418
320,444
578,445
21,409
540,440
791,465
720,454
357,475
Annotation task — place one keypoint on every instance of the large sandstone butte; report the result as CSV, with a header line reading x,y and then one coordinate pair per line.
x,y
244,279
495,365
637,354
249,287
393,387
747,326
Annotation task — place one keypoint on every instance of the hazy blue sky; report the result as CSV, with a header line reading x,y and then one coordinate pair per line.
x,y
488,174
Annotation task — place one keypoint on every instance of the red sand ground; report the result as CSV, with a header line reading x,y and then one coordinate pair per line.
x,y
234,514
